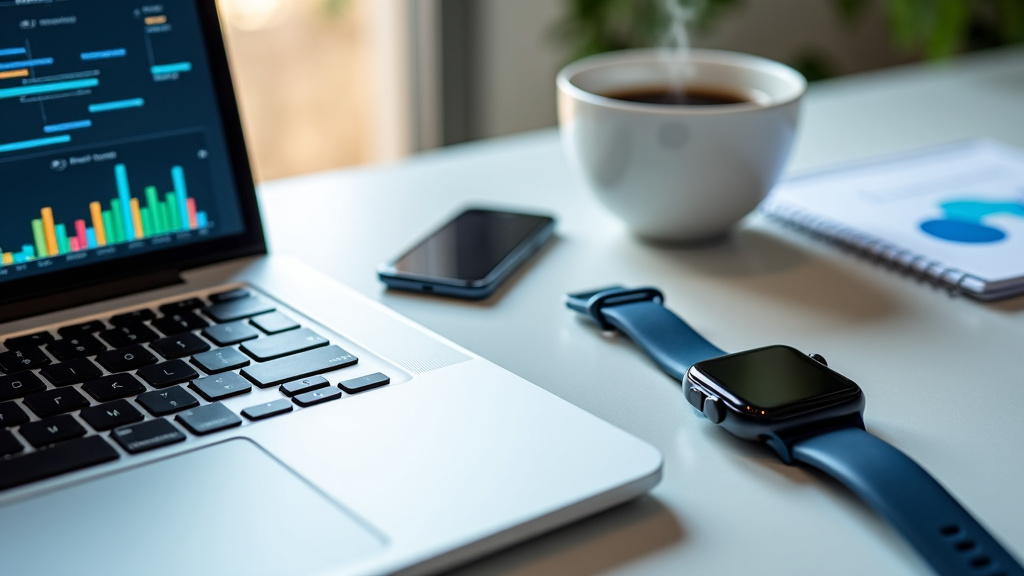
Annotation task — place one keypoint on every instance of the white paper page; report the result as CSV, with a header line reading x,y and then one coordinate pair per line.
x,y
961,205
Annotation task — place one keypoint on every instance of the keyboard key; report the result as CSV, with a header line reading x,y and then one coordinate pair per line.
x,y
220,360
10,445
229,295
147,435
83,328
357,385
18,385
283,344
133,317
11,415
179,323
230,333
209,418
52,402
274,322
299,365
29,340
43,433
238,309
268,409
181,306
110,415
317,396
128,358
75,347
68,457
304,385
166,373
71,372
179,346
127,334
167,401
107,388
221,386
25,358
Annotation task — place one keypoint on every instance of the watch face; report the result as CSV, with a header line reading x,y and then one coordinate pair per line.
x,y
773,379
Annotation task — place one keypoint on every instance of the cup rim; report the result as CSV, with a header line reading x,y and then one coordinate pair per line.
x,y
564,80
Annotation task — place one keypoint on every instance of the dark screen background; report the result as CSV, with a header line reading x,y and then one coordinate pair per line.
x,y
774,377
470,246
178,124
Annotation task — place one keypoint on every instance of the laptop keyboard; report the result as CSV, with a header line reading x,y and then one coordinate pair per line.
x,y
152,377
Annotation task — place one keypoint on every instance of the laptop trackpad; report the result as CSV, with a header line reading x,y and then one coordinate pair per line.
x,y
229,508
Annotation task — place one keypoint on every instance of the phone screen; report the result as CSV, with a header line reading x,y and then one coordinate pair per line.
x,y
469,247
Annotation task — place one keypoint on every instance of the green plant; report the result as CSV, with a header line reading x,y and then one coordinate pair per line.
x,y
928,28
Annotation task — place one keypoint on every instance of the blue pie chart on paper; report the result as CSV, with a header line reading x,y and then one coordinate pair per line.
x,y
963,221
960,231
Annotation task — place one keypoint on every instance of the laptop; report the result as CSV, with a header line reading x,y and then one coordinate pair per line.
x,y
175,401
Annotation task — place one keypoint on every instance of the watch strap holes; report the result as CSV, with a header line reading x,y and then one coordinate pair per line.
x,y
949,530
965,545
981,562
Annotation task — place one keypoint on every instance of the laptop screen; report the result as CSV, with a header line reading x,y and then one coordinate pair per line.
x,y
120,146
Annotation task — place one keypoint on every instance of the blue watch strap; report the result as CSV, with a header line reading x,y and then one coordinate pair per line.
x,y
666,338
640,314
889,481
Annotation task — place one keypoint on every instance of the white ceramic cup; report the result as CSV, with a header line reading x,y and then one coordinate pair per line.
x,y
677,172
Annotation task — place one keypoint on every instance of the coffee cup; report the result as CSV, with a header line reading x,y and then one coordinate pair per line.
x,y
679,172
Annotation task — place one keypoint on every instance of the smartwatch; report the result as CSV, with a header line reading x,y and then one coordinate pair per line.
x,y
808,414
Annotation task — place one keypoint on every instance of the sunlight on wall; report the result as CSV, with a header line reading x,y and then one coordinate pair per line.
x,y
301,72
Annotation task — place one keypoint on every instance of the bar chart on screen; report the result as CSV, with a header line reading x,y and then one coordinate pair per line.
x,y
107,200
111,139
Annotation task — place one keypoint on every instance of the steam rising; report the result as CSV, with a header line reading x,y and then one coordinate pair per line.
x,y
675,44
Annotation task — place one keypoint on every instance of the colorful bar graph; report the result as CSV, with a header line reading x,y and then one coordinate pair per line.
x,y
80,234
39,237
98,225
26,63
49,231
104,54
127,219
48,88
22,73
26,144
170,68
117,105
65,126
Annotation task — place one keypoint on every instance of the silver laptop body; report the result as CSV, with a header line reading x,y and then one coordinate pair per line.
x,y
451,458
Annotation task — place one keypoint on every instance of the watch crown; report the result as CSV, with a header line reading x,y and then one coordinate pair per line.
x,y
818,358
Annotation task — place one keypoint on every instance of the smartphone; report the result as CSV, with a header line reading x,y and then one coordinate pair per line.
x,y
471,255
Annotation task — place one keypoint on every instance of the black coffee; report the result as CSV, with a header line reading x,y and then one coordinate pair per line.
x,y
691,96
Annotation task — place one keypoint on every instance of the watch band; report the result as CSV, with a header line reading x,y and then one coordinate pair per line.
x,y
641,315
888,480
941,530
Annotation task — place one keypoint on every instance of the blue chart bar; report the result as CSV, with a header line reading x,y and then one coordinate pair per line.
x,y
171,68
117,105
124,193
26,144
25,63
47,88
11,51
64,127
104,54
178,178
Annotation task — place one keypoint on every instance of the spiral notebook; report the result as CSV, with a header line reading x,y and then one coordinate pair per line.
x,y
953,214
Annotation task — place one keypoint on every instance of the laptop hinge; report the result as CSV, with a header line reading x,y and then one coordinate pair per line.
x,y
87,295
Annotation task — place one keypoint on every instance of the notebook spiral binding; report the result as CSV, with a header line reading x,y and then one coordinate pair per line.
x,y
868,246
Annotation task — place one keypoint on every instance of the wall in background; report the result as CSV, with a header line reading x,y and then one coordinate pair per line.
x,y
520,54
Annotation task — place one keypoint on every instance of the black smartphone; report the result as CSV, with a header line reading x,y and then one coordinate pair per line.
x,y
471,255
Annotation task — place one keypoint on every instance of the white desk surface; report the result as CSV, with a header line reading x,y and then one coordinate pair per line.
x,y
943,376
